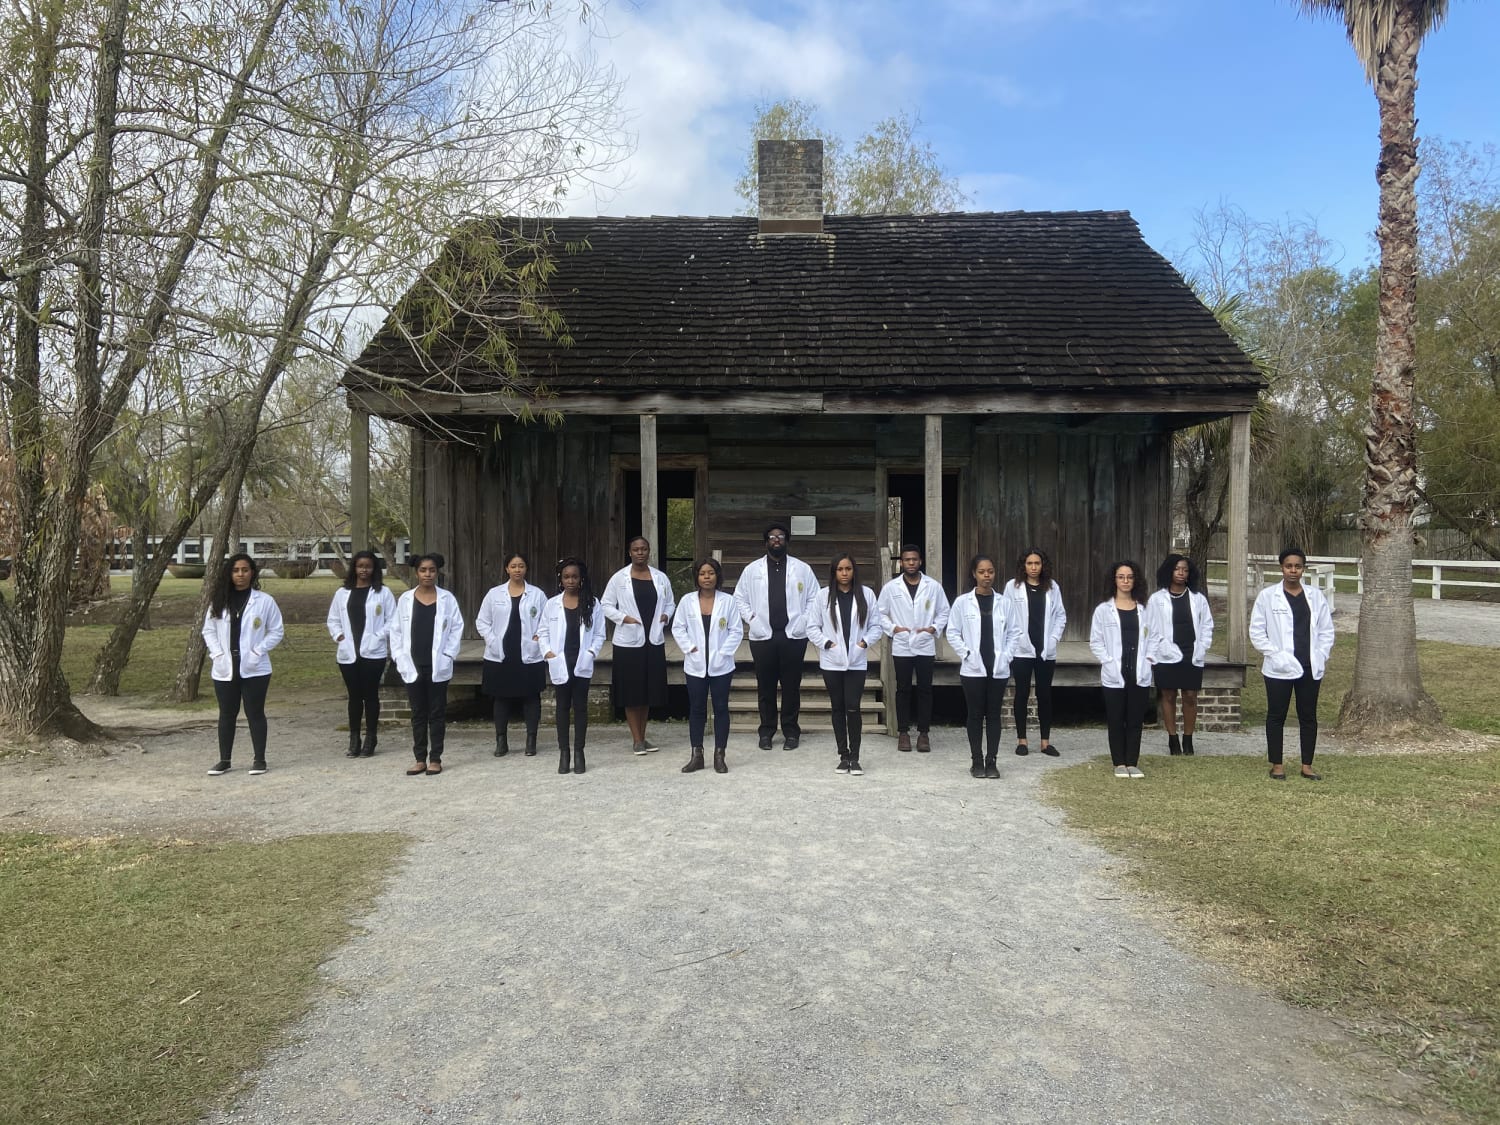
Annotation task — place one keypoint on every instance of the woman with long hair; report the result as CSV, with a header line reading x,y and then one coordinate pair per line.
x,y
1184,628
241,627
571,636
1122,640
984,632
707,628
514,671
1037,601
842,631
425,635
638,599
359,619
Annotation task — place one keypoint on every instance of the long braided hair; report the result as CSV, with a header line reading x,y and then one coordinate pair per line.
x,y
586,600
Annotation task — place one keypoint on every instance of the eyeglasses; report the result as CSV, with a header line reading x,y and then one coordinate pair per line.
x,y
776,537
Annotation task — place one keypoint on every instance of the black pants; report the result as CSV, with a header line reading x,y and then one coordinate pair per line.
x,y
700,690
845,690
984,702
531,711
573,697
251,692
429,715
1125,712
1021,668
922,667
1278,699
778,661
362,683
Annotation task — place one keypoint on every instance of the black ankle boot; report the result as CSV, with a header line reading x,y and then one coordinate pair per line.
x,y
531,745
367,749
1187,744
502,744
1173,745
720,765
695,761
991,769
353,751
976,765
578,763
565,760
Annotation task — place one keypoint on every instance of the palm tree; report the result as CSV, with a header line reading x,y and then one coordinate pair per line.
x,y
1387,694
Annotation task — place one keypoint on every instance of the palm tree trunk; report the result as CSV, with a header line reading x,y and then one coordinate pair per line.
x,y
1387,691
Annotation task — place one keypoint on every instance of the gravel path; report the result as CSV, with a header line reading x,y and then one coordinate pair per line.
x,y
780,944
1458,622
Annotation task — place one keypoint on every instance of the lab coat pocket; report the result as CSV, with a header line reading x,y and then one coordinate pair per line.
x,y
1284,665
557,668
223,668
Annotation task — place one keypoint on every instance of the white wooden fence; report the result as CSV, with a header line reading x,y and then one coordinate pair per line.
x,y
262,548
1322,572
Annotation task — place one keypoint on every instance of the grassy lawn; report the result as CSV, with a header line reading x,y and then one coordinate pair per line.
x,y
1464,680
1375,895
141,979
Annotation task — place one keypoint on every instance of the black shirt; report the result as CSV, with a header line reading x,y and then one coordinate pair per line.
x,y
1301,629
573,622
846,610
356,610
423,626
986,603
776,593
645,601
1183,633
912,587
1036,616
510,644
1130,642
238,599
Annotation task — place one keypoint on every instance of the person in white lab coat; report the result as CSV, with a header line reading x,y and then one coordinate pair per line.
x,y
775,596
983,631
514,672
1292,627
1039,603
1184,628
1122,640
571,636
638,598
424,637
913,610
241,627
846,623
707,629
359,619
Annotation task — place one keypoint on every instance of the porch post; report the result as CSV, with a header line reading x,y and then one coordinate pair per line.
x,y
359,479
933,481
416,520
1237,549
649,502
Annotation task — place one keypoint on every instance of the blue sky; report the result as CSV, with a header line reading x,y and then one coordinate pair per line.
x,y
1159,107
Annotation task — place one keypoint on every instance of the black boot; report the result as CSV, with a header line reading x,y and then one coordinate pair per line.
x,y
565,760
976,765
502,744
367,748
531,744
695,761
720,766
578,763
353,751
1173,745
1187,744
991,769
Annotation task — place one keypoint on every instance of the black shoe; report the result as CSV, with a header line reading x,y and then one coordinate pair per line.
x,y
695,760
790,742
924,744
565,761
1305,777
531,746
1022,749
720,766
502,746
843,766
353,751
765,742
578,763
854,770
222,767
991,770
976,768
1173,745
1277,776
257,768
1050,751
1187,745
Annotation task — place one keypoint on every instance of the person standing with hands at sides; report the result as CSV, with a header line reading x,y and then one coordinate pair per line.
x,y
913,610
358,620
984,631
1184,629
1037,600
707,629
571,636
1292,626
1121,639
775,595
514,672
241,627
425,635
639,600
842,629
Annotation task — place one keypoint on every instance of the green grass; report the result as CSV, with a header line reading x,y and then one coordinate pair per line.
x,y
140,979
1464,680
302,663
1374,895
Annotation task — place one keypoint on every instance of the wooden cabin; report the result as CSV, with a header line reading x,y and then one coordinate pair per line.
x,y
1012,379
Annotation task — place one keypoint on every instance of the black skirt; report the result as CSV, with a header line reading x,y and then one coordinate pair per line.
x,y
512,679
639,676
1182,676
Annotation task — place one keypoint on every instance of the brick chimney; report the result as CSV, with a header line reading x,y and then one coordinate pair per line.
x,y
790,186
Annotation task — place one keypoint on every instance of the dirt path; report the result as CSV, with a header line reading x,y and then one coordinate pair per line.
x,y
778,944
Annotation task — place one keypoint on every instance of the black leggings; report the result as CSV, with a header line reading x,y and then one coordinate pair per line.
x,y
572,696
1020,669
531,711
1125,713
362,684
845,690
984,701
922,667
429,715
1278,699
251,692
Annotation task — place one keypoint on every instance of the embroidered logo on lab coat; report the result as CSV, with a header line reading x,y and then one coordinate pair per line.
x,y
799,587
723,623
377,609
255,623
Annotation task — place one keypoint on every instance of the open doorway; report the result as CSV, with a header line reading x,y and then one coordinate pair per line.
x,y
680,533
906,501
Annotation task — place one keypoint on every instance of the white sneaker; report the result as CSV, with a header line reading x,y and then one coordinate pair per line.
x,y
1121,771
1133,772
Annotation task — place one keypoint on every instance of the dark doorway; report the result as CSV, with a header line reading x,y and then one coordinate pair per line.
x,y
907,498
676,532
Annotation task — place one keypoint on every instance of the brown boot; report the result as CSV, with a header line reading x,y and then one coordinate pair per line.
x,y
924,746
695,761
903,742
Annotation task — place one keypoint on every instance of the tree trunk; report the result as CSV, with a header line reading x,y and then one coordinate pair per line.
x,y
1387,696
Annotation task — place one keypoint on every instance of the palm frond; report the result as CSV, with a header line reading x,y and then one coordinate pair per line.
x,y
1371,23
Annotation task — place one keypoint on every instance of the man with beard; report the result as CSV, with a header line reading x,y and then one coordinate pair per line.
x,y
914,611
775,596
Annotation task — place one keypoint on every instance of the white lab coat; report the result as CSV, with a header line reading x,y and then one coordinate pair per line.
x,y
447,632
553,638
1107,645
750,594
964,624
825,627
1271,633
899,609
619,603
1055,621
494,620
380,610
713,655
260,631
1159,609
